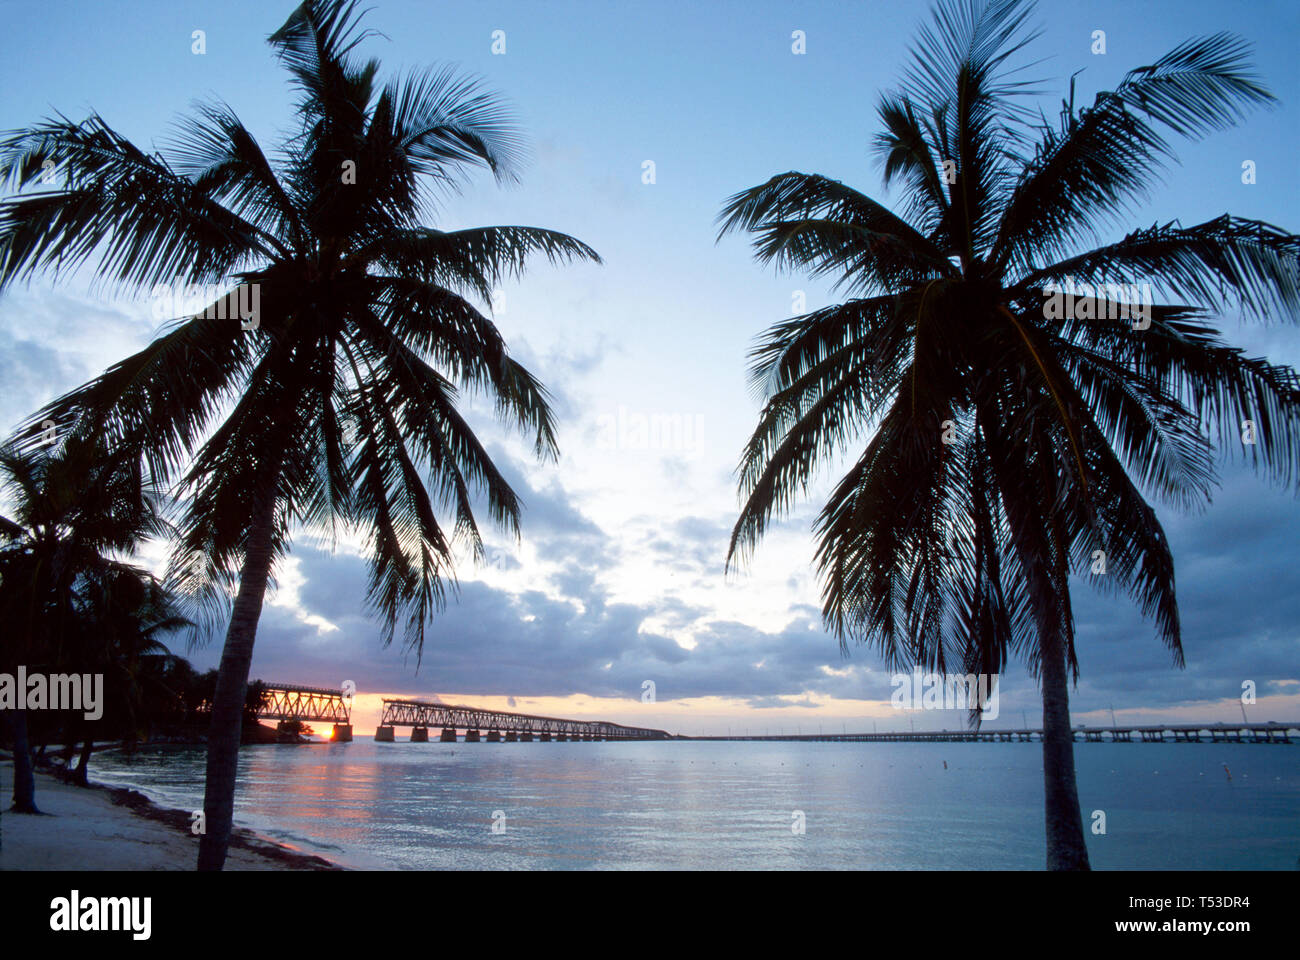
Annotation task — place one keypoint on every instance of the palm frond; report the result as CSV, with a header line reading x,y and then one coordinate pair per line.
x,y
146,224
1103,157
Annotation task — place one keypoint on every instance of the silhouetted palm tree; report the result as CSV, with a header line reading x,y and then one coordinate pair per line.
x,y
1007,442
338,402
121,615
72,516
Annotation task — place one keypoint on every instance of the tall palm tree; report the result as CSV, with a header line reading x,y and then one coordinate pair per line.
x,y
72,516
1006,443
322,388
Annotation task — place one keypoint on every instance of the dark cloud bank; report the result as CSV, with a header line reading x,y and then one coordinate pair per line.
x,y
1237,589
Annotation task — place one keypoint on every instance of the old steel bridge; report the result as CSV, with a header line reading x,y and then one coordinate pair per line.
x,y
293,704
496,726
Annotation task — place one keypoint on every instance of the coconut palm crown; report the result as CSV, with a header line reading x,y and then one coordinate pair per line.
x,y
1005,404
319,387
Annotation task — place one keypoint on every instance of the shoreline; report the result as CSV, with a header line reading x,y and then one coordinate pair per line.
x,y
100,827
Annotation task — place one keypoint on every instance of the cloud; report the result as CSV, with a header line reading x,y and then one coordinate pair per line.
x,y
52,342
1240,605
611,586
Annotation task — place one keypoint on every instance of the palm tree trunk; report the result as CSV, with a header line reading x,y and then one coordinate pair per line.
x,y
1066,849
83,763
24,777
232,685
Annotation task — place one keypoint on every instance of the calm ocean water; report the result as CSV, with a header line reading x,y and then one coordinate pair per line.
x,y
717,805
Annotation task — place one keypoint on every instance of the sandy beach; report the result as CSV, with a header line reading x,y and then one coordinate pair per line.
x,y
100,828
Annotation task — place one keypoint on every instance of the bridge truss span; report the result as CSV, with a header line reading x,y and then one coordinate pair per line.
x,y
288,702
499,724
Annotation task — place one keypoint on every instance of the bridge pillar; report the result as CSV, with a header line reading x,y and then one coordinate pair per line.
x,y
448,735
544,737
525,737
494,736
471,736
512,737
560,737
342,733
385,735
419,734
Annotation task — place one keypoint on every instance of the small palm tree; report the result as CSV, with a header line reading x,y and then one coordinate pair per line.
x,y
121,615
321,389
1008,440
72,516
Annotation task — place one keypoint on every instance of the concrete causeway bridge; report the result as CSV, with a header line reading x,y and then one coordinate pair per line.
x,y
1270,732
496,726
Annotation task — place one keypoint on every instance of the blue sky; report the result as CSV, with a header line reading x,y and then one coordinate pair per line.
x,y
619,577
